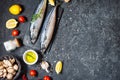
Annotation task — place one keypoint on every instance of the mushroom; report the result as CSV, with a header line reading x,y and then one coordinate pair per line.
x,y
10,70
4,75
1,67
1,76
45,66
1,73
4,70
1,63
15,67
7,62
12,60
6,66
9,76
14,73
1,70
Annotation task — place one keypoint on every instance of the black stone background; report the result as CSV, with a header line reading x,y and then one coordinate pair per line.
x,y
87,39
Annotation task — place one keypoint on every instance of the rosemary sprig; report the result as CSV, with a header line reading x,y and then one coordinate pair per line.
x,y
36,16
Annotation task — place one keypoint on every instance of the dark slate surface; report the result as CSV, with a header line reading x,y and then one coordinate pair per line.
x,y
87,39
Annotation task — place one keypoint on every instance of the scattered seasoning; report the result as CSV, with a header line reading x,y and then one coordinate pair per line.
x,y
67,1
24,77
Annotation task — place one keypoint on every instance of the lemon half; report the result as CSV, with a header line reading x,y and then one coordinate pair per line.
x,y
11,23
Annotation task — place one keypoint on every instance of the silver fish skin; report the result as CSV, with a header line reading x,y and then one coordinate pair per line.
x,y
36,24
48,30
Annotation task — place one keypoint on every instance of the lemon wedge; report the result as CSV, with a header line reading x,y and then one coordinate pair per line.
x,y
58,67
52,2
11,23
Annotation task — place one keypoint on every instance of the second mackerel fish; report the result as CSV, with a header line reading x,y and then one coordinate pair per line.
x,y
47,30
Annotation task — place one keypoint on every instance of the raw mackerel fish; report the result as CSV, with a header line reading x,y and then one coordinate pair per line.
x,y
33,31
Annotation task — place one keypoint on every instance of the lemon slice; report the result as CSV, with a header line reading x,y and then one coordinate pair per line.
x,y
52,2
11,23
58,67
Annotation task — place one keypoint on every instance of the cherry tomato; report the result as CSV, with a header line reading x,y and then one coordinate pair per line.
x,y
15,32
21,19
47,78
33,73
24,77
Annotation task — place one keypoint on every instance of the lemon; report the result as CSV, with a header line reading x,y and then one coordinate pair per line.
x,y
11,23
15,9
52,2
58,67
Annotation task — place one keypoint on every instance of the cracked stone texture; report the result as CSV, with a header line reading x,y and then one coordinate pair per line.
x,y
87,39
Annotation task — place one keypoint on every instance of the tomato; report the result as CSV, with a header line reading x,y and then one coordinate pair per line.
x,y
24,77
33,73
21,19
47,78
15,32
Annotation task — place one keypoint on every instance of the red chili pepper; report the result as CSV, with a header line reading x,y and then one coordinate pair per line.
x,y
24,77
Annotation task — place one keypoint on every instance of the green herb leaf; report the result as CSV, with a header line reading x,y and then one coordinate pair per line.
x,y
36,16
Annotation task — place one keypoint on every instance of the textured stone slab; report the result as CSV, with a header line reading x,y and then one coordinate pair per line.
x,y
87,39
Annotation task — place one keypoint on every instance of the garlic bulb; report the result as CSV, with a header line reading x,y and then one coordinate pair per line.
x,y
45,66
